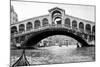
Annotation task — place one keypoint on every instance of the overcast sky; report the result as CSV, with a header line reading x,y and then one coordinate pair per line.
x,y
27,10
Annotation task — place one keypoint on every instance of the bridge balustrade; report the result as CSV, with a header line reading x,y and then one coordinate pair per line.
x,y
74,30
60,26
42,27
66,25
14,33
81,30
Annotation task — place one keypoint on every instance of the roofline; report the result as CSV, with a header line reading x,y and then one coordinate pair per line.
x,y
55,8
30,19
48,15
81,19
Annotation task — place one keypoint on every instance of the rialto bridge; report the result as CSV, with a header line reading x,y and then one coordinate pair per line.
x,y
30,31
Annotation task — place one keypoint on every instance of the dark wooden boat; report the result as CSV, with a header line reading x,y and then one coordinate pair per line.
x,y
22,61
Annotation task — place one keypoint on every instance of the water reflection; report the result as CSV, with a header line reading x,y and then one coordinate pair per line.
x,y
56,54
55,49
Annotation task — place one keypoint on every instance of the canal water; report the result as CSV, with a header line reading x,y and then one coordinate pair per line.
x,y
55,55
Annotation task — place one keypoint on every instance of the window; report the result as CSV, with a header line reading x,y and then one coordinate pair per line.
x,y
67,21
45,22
21,28
81,26
37,24
88,28
29,26
13,29
74,24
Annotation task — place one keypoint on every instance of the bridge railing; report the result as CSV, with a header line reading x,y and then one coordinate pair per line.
x,y
38,29
42,28
60,26
47,26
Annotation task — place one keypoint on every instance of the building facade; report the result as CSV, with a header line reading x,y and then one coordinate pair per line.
x,y
13,17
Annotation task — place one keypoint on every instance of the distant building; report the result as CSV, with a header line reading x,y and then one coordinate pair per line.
x,y
13,17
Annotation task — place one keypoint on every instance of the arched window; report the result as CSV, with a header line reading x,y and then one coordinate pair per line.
x,y
56,12
21,28
58,20
45,22
14,30
67,21
29,26
93,29
74,24
81,26
37,24
88,28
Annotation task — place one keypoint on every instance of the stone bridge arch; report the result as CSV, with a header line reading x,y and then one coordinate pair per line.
x,y
39,35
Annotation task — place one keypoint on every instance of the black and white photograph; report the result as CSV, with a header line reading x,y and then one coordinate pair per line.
x,y
43,33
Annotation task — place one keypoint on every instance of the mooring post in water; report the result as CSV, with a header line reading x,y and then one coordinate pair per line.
x,y
22,61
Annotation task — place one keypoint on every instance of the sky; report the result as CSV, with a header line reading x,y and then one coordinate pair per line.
x,y
26,10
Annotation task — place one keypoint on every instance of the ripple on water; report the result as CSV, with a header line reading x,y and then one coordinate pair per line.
x,y
52,55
